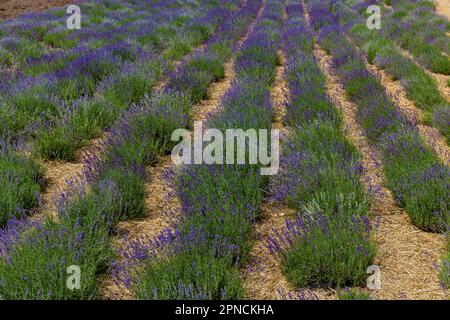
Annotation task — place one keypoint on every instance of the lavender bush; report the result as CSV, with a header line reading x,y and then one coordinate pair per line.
x,y
420,182
221,201
328,242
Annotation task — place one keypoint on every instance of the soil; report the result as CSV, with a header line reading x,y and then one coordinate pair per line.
x,y
14,8
443,8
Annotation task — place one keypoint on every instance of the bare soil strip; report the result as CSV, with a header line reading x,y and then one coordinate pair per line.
x,y
406,255
397,93
14,8
163,206
443,8
58,173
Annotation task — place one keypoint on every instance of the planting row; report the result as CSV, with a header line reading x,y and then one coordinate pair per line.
x,y
328,241
201,256
21,177
419,181
85,118
430,45
34,256
380,49
58,108
415,26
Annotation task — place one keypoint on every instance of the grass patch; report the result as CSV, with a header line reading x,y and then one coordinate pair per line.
x,y
20,182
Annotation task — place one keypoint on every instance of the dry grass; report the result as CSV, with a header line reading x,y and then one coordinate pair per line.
x,y
59,173
443,8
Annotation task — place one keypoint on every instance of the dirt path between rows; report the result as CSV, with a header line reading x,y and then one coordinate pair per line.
x,y
443,8
59,173
406,254
162,204
14,8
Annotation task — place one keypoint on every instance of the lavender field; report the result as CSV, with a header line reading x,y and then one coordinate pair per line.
x,y
225,150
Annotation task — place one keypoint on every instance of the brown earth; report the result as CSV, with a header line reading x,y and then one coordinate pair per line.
x,y
14,8
443,8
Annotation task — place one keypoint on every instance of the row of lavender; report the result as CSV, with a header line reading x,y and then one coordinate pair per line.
x,y
200,257
414,173
136,70
415,26
119,58
34,256
430,46
328,241
419,181
381,50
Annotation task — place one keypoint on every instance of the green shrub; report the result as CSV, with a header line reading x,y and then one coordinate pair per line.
x,y
20,182
332,251
6,58
61,39
352,294
36,267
